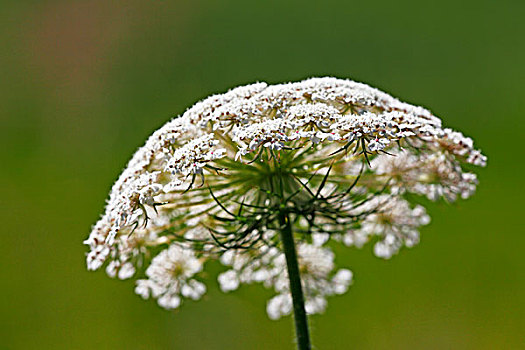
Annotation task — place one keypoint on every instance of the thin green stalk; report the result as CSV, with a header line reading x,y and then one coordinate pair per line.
x,y
301,322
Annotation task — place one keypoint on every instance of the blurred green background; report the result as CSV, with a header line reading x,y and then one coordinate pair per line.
x,y
83,83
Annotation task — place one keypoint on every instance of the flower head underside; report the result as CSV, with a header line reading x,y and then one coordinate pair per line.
x,y
342,159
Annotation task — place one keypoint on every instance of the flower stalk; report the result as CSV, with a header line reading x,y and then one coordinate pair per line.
x,y
301,322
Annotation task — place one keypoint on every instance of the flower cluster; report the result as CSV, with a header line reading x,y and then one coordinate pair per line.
x,y
342,159
390,218
316,265
171,276
433,175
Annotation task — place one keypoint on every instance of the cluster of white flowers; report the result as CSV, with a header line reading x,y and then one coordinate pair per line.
x,y
433,175
171,276
193,156
316,265
184,191
392,220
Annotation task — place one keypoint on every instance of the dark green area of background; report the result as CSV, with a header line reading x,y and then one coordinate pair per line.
x,y
83,83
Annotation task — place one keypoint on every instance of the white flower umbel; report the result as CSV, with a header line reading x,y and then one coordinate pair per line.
x,y
433,175
316,265
390,218
170,277
266,178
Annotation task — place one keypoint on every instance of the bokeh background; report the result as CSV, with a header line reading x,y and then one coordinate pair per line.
x,y
83,83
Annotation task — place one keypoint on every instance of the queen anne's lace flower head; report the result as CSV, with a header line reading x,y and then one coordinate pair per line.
x,y
340,157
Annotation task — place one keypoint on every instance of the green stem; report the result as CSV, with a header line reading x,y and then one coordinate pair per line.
x,y
301,323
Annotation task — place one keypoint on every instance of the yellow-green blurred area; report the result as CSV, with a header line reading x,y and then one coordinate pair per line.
x,y
83,83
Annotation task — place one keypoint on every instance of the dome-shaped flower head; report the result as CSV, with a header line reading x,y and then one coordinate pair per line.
x,y
335,158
